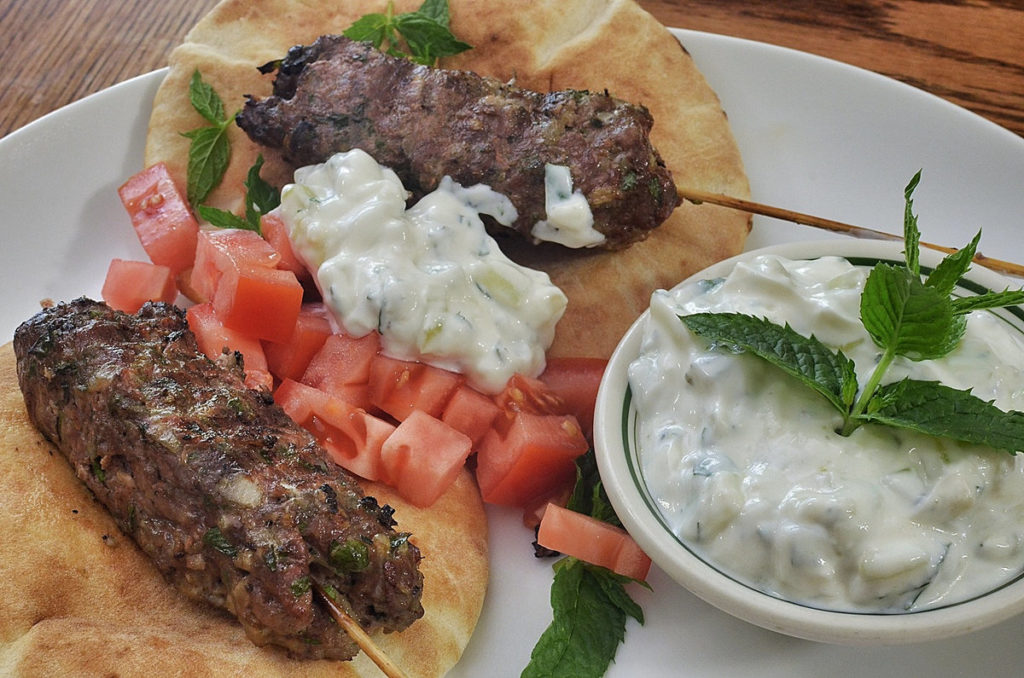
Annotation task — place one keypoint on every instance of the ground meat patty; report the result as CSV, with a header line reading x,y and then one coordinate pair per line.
x,y
426,123
235,503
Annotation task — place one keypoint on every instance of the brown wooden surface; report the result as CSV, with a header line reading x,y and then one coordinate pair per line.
x,y
970,52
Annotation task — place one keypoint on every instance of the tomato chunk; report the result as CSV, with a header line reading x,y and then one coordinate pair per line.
x,y
225,249
593,541
525,394
235,269
470,412
289,360
351,436
575,382
422,458
534,459
399,387
213,337
161,217
275,232
342,367
130,284
262,302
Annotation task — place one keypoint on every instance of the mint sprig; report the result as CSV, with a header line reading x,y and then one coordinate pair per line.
x,y
423,36
208,156
209,149
589,604
590,608
906,315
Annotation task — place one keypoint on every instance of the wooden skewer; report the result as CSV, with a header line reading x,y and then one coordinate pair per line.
x,y
697,197
363,640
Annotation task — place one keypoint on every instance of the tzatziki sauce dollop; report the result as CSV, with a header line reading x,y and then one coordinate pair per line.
x,y
430,279
747,469
569,220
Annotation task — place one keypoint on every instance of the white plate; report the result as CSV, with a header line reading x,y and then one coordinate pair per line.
x,y
816,136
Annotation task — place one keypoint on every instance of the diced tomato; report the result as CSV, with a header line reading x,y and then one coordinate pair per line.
x,y
342,367
223,249
534,459
525,394
575,382
533,513
161,217
470,412
276,233
422,458
352,437
289,360
235,269
400,386
213,337
355,394
593,541
262,302
130,284
184,282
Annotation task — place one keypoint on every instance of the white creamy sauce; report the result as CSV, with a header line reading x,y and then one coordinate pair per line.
x,y
429,279
569,220
746,467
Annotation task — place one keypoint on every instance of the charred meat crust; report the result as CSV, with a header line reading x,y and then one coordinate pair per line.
x,y
425,123
235,504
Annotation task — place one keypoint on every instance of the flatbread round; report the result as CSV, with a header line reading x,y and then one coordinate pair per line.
x,y
80,599
599,45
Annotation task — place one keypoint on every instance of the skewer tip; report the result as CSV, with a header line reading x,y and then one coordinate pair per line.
x,y
361,638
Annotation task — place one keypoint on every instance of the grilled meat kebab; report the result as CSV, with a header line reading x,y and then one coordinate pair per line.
x,y
425,123
235,503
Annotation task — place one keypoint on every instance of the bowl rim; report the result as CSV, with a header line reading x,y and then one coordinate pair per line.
x,y
613,422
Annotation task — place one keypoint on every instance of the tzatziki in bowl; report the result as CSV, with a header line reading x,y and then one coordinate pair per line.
x,y
757,494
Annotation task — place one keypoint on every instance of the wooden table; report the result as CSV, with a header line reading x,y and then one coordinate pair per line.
x,y
970,52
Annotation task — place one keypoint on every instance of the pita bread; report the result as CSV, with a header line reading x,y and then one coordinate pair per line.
x,y
549,44
81,599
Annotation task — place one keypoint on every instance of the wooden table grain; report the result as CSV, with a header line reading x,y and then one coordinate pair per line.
x,y
970,52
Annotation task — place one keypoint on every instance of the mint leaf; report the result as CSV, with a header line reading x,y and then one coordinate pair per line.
x,y
828,372
223,218
911,233
428,39
590,608
614,587
588,496
436,10
1007,297
205,100
953,267
208,157
423,36
260,197
906,317
939,410
372,28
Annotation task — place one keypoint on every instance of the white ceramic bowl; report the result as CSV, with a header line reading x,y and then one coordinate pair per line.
x,y
615,420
